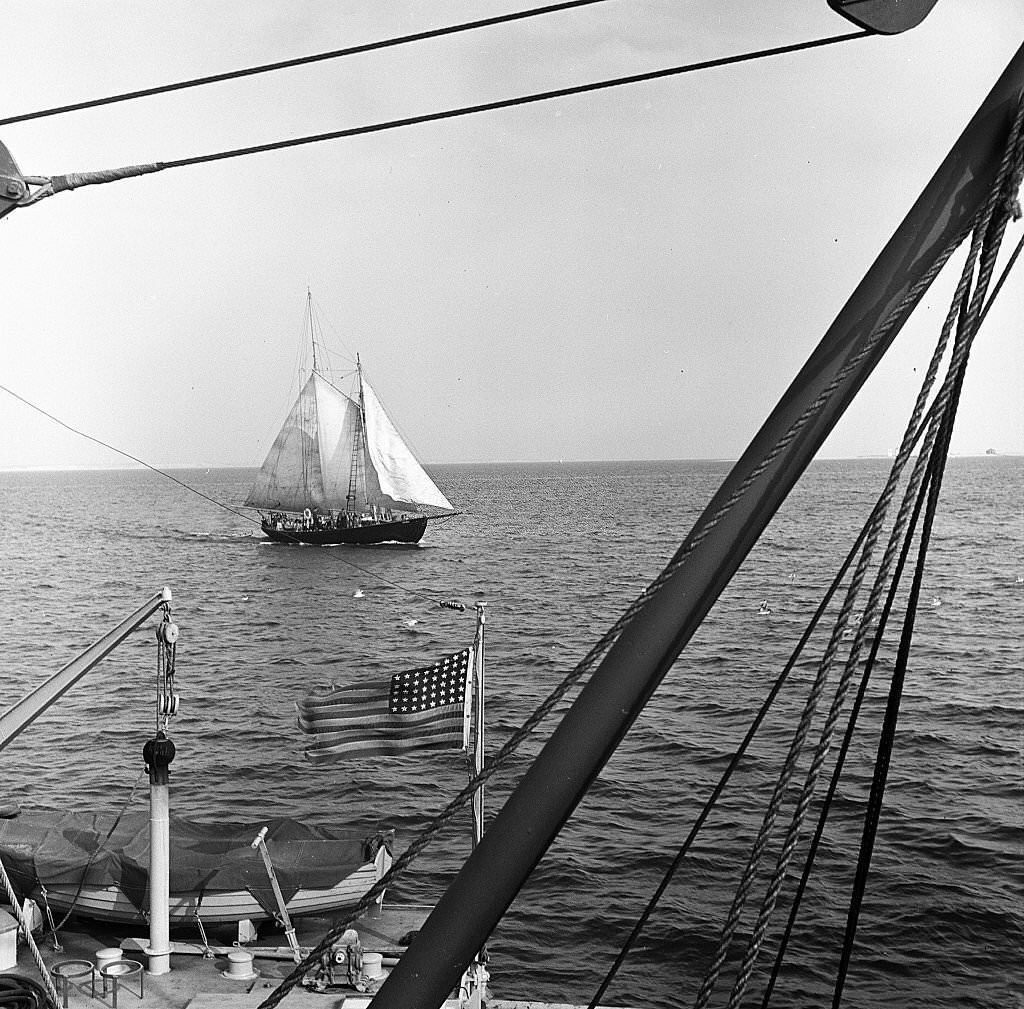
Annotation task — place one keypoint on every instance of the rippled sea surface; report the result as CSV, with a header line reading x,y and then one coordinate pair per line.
x,y
557,552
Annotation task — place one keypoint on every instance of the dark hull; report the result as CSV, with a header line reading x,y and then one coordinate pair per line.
x,y
402,531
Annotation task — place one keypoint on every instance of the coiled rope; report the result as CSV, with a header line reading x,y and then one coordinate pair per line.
x,y
17,992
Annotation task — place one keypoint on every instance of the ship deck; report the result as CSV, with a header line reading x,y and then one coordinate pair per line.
x,y
196,981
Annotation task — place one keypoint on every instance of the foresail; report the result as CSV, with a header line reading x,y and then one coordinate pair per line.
x,y
308,464
400,477
338,426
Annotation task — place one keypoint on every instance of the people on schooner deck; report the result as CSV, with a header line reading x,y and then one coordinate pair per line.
x,y
311,518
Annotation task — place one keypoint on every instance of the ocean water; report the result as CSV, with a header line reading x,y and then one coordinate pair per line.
x,y
556,552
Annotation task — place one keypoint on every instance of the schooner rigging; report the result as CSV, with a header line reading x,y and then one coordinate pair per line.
x,y
340,472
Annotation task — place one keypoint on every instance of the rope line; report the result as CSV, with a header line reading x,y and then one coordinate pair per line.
x,y
506,103
122,452
870,609
740,751
726,776
844,748
887,738
1003,206
61,183
984,227
821,750
728,504
27,929
94,853
988,231
299,61
441,820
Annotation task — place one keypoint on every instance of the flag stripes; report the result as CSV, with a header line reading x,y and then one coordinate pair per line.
x,y
417,709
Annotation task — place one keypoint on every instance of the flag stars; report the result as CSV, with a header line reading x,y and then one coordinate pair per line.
x,y
443,683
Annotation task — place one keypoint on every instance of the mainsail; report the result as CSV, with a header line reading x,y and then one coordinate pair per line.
x,y
399,477
335,452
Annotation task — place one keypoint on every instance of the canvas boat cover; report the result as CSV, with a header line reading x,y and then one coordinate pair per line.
x,y
100,850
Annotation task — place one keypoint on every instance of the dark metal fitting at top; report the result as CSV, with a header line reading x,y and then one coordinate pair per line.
x,y
158,754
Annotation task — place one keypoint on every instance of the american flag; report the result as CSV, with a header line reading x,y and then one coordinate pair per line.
x,y
414,710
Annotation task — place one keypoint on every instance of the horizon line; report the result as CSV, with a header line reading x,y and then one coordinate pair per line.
x,y
192,467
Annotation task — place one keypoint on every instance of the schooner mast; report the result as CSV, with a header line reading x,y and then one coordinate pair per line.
x,y
357,471
339,471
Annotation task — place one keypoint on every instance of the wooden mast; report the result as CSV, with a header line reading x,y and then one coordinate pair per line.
x,y
357,463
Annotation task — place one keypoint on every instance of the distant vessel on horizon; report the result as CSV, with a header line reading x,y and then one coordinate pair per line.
x,y
340,473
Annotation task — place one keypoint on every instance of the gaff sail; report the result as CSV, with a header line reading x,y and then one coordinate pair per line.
x,y
335,452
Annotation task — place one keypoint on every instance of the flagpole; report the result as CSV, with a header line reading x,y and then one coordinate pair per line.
x,y
473,986
478,749
475,980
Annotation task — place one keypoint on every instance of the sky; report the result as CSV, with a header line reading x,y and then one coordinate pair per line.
x,y
636,273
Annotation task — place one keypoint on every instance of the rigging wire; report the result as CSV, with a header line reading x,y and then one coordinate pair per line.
x,y
75,180
734,761
375,575
727,774
928,421
988,227
919,494
973,312
1006,204
855,709
263,68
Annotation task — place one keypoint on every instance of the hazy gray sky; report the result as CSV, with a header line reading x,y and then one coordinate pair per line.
x,y
635,273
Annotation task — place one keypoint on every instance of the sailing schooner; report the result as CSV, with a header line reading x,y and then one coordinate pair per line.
x,y
339,472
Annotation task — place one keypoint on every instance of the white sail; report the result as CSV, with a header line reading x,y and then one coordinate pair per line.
x,y
308,464
399,476
338,426
324,459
